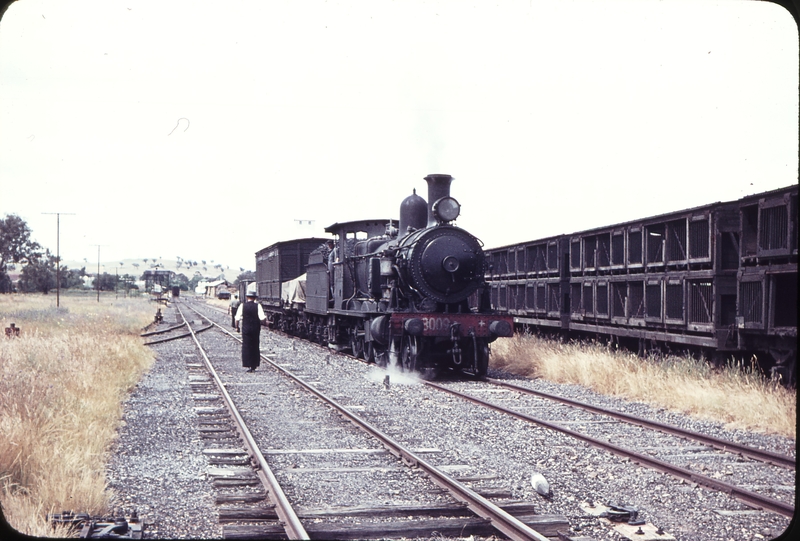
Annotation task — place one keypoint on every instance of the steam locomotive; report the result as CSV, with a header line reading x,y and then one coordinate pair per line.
x,y
413,296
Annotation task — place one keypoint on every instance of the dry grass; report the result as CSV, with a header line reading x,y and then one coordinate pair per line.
x,y
62,384
219,303
738,396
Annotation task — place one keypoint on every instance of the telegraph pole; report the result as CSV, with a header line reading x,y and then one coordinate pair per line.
x,y
97,277
58,253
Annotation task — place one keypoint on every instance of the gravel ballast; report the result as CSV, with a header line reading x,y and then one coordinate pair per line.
x,y
159,468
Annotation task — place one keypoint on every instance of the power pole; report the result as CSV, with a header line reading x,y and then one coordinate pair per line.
x,y
97,278
58,253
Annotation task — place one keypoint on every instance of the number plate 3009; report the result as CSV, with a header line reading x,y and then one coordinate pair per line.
x,y
435,324
440,324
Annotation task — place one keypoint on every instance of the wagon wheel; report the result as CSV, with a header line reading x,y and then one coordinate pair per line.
x,y
410,354
357,345
319,331
482,360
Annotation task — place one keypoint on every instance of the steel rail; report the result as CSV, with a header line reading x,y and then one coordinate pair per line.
x,y
748,497
500,519
162,331
724,445
290,522
177,336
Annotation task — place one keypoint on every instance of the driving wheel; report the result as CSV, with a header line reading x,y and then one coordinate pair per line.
x,y
410,354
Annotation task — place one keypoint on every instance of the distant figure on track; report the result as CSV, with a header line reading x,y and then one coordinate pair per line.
x,y
234,307
251,315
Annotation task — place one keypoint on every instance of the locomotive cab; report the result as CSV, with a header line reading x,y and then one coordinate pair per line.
x,y
349,266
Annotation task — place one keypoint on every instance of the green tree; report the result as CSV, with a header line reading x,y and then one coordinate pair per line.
x,y
194,281
106,282
182,281
246,276
39,274
72,278
127,282
15,245
6,286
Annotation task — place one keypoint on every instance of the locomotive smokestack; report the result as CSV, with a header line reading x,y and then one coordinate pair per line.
x,y
438,187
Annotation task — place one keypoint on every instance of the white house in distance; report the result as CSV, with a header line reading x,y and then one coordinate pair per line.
x,y
217,288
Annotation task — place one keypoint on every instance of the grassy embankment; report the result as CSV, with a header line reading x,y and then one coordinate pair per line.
x,y
739,396
62,384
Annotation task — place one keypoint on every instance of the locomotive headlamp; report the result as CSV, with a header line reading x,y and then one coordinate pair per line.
x,y
446,209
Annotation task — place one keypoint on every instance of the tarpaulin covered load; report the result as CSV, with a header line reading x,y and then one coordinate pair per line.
x,y
294,291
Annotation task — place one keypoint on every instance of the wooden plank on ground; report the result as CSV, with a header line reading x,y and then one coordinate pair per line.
x,y
252,513
240,497
425,528
442,509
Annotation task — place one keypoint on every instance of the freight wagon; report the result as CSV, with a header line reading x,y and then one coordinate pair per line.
x,y
720,278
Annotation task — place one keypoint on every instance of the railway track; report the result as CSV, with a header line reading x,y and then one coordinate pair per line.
x,y
488,514
291,523
726,446
754,453
692,481
749,497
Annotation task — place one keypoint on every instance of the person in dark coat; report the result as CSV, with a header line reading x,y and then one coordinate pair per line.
x,y
250,314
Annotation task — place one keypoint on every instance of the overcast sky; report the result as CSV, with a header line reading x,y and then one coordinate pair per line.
x,y
205,130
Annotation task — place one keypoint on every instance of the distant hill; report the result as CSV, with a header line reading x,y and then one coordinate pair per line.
x,y
129,266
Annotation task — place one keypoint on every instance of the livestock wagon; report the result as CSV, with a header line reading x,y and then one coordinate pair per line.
x,y
719,278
